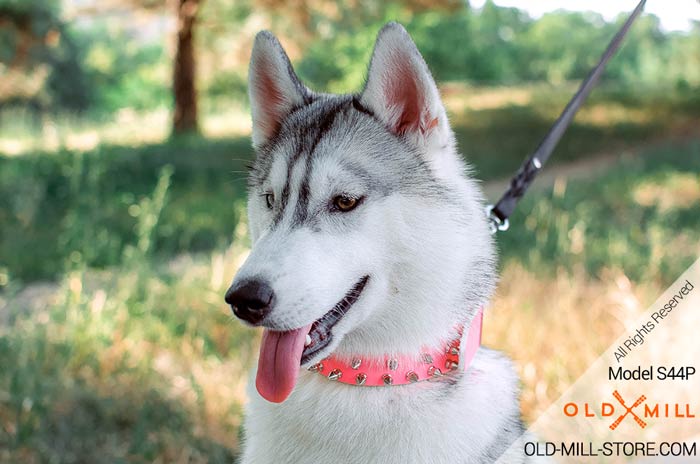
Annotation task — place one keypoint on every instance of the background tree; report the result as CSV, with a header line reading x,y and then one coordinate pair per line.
x,y
184,69
184,75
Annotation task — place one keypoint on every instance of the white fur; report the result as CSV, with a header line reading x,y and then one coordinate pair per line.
x,y
424,257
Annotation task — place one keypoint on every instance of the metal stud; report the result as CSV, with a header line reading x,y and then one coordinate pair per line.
x,y
316,367
434,372
454,351
411,376
355,363
451,365
426,358
360,378
335,374
386,378
392,364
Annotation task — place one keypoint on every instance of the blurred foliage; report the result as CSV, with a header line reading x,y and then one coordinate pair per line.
x,y
102,62
642,216
84,68
498,45
125,366
41,57
135,364
495,139
68,210
131,75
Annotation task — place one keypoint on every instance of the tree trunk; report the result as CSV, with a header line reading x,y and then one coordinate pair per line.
x,y
184,91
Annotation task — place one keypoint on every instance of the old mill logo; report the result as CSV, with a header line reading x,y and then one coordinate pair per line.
x,y
639,410
628,410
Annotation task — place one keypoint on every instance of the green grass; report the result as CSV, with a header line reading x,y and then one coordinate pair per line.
x,y
103,374
65,209
642,217
135,364
496,138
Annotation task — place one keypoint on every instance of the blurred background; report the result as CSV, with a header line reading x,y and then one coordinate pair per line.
x,y
124,140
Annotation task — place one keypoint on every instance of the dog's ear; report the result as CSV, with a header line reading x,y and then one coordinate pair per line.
x,y
273,87
400,89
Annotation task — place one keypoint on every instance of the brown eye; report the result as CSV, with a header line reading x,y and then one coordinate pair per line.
x,y
270,200
345,203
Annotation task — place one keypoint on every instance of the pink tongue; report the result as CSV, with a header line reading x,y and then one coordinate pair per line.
x,y
278,366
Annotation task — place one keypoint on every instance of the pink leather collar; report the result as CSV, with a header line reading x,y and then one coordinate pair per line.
x,y
401,370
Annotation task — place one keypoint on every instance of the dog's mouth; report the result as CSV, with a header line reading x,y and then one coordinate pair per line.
x,y
321,335
282,353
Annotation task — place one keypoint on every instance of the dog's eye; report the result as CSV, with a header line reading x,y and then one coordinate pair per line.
x,y
344,203
270,200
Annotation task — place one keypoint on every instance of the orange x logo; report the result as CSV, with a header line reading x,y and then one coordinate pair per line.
x,y
628,410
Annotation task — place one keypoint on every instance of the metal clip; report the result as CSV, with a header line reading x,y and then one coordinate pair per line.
x,y
495,223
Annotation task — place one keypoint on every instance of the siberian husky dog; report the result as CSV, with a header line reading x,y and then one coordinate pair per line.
x,y
369,241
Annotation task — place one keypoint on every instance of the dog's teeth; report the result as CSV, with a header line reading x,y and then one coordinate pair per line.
x,y
308,340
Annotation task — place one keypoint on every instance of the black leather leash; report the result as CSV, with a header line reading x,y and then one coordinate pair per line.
x,y
498,214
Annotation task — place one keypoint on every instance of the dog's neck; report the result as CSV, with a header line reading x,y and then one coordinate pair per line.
x,y
428,364
396,337
417,313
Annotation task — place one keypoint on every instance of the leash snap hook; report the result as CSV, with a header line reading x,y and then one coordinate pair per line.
x,y
495,223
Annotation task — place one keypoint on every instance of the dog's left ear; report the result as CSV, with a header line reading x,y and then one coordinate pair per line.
x,y
401,91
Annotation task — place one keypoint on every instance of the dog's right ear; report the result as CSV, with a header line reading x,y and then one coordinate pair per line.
x,y
273,87
401,91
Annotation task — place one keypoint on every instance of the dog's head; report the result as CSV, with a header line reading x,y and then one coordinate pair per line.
x,y
367,234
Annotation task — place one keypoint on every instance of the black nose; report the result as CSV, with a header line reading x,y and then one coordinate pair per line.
x,y
250,300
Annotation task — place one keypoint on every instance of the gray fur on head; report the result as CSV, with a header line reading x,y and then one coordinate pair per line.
x,y
391,145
